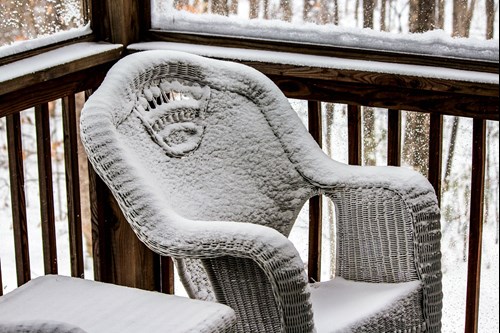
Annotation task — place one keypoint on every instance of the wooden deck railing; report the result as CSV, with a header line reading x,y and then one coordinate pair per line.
x,y
120,258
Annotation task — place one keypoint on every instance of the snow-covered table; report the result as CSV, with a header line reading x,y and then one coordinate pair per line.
x,y
54,303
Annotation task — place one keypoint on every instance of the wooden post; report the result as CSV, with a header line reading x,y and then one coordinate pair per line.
x,y
119,21
46,188
20,226
354,133
315,203
476,225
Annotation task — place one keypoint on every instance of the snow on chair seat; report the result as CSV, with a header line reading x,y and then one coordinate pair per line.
x,y
57,304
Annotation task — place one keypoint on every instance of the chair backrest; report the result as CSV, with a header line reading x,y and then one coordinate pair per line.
x,y
208,136
201,130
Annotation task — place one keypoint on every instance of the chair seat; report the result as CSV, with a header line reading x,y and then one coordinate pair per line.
x,y
95,307
340,305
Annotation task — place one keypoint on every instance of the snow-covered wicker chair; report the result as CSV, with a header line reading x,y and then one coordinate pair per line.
x,y
211,166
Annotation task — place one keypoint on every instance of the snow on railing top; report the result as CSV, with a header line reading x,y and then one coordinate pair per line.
x,y
435,43
27,45
321,61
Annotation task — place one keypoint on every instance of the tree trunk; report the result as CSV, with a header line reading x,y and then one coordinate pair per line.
x,y
462,17
369,139
422,15
416,141
286,9
368,9
440,14
330,116
233,8
323,12
451,153
336,12
383,13
220,7
490,19
254,9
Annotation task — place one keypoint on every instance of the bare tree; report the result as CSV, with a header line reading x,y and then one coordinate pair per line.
x,y
422,15
490,19
368,11
220,7
462,17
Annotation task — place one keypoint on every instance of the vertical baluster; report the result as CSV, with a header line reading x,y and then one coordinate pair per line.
x,y
1,282
476,224
167,275
315,203
46,188
20,226
73,185
394,137
435,152
100,235
354,133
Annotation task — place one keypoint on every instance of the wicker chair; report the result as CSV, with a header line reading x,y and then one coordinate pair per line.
x,y
211,166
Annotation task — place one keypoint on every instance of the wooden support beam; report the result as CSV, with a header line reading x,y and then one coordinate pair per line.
x,y
315,203
354,133
73,186
44,153
19,222
394,137
476,225
435,152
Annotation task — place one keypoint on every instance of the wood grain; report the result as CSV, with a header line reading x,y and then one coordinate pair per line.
x,y
19,222
73,186
393,137
44,153
315,203
476,225
354,134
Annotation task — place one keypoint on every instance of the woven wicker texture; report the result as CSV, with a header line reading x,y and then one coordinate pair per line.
x,y
211,166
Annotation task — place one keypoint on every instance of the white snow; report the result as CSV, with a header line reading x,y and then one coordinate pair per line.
x,y
436,43
320,61
105,308
53,58
339,303
27,45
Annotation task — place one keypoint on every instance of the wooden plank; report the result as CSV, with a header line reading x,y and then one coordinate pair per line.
x,y
167,275
1,282
394,137
476,225
435,152
73,186
119,256
449,103
117,21
354,134
20,226
44,153
389,82
315,203
323,50
100,231
43,92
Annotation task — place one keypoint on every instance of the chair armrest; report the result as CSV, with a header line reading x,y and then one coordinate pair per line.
x,y
388,227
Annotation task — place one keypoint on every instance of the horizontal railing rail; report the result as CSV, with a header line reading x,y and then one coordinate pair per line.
x,y
117,254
